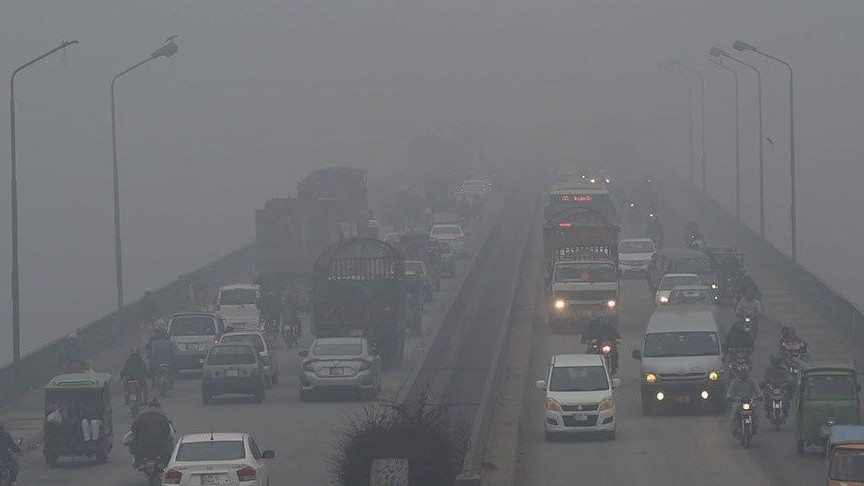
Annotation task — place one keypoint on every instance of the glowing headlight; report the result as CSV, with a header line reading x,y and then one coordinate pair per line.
x,y
553,405
830,422
650,378
606,404
607,180
660,396
664,300
713,376
560,304
611,304
704,395
632,205
593,181
745,406
606,349
714,286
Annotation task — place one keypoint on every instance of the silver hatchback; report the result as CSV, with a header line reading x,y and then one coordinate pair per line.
x,y
340,364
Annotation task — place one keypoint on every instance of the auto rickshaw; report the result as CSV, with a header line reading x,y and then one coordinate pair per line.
x,y
844,458
827,395
79,421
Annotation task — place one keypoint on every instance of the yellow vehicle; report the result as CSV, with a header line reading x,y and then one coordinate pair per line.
x,y
844,458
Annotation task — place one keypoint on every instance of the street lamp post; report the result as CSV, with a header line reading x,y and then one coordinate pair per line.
x,y
167,50
698,72
16,294
737,143
743,46
717,52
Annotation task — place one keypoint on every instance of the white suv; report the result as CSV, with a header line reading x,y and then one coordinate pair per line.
x,y
579,396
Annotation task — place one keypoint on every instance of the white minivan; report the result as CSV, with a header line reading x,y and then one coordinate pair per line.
x,y
579,396
238,306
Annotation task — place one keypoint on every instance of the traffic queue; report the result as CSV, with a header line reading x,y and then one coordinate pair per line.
x,y
686,359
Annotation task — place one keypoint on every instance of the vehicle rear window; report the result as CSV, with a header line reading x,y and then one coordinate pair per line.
x,y
231,355
212,450
337,349
253,340
670,282
237,296
192,326
847,465
693,265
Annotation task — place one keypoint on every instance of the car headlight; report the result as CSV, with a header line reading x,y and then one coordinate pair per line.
x,y
664,300
714,286
650,378
560,304
606,349
745,406
713,376
553,405
611,304
606,404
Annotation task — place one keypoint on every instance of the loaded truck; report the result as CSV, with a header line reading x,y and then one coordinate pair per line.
x,y
358,289
581,266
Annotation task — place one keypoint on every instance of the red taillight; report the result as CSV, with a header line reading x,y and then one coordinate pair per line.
x,y
365,365
246,474
307,365
564,224
172,476
216,341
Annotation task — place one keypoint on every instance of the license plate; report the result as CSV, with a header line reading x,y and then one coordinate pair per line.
x,y
232,373
580,417
683,399
337,371
210,478
777,405
191,347
747,420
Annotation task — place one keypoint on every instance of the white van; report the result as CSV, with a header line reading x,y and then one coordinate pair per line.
x,y
238,306
682,359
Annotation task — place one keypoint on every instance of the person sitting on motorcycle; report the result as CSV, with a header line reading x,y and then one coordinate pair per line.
x,y
603,331
742,389
655,229
777,376
270,306
747,285
161,351
70,355
739,338
135,369
7,448
791,345
152,435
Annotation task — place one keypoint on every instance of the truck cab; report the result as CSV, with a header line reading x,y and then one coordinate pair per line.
x,y
584,290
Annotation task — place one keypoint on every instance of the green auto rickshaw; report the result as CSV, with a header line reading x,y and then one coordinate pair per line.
x,y
79,421
827,395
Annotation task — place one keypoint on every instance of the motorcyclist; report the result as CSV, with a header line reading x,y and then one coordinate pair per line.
x,y
738,337
152,435
135,369
777,376
791,345
741,389
70,355
7,448
747,285
750,306
655,229
602,331
270,306
161,350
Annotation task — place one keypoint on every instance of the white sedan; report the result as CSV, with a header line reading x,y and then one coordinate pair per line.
x,y
451,234
224,459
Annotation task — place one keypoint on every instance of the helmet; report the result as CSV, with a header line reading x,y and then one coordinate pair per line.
x,y
154,403
776,359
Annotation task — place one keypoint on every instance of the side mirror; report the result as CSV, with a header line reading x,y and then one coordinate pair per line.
x,y
229,328
268,454
616,382
541,385
304,353
637,354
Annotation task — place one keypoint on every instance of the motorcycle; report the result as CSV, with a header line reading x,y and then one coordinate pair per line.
x,y
603,348
751,325
290,333
134,396
745,422
153,469
736,359
163,379
777,408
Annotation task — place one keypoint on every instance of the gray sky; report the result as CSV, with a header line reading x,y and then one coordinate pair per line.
x,y
261,91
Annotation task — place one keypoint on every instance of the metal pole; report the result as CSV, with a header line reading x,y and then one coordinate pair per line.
x,y
737,143
690,127
16,291
702,129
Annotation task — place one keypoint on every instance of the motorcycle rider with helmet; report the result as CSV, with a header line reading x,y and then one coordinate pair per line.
x,y
7,448
738,337
777,376
161,350
602,331
135,369
152,436
791,345
742,389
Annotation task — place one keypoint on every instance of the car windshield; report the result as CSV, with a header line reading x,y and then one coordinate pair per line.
x,y
446,230
636,246
237,296
585,272
847,465
830,387
693,265
192,326
578,378
231,355
690,297
670,281
670,344
337,349
253,340
211,450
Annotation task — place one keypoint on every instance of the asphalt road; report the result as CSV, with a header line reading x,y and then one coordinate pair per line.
x,y
682,447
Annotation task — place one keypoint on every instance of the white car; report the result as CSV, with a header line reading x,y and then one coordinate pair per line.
x,y
238,306
450,233
218,458
474,188
634,255
579,396
672,280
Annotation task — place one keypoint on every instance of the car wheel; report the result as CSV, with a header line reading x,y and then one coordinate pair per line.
x,y
259,397
305,396
610,435
274,380
550,436
268,382
206,399
51,459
